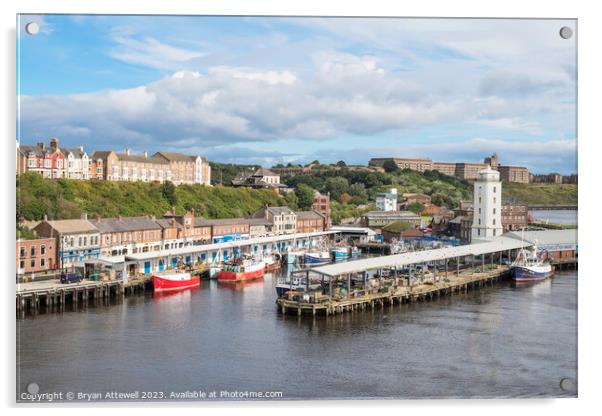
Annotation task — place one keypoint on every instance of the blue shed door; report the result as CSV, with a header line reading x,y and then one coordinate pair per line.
x,y
147,267
161,265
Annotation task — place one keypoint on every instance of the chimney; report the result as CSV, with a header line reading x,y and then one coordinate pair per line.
x,y
119,217
145,153
266,212
45,217
126,151
81,148
85,216
98,218
41,145
54,143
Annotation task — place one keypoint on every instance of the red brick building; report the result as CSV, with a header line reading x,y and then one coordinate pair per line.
x,y
322,205
37,255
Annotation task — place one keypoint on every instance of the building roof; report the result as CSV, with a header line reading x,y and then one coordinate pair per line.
x,y
72,226
77,151
142,158
547,237
26,149
308,215
501,243
204,248
391,214
101,154
264,172
168,223
280,210
258,221
220,221
112,225
175,156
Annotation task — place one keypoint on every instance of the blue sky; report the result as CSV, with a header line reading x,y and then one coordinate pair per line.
x,y
268,90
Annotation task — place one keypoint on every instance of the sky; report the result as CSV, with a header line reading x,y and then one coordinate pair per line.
x,y
268,90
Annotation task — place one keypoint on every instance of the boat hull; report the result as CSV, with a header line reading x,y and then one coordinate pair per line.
x,y
232,276
161,284
529,274
312,259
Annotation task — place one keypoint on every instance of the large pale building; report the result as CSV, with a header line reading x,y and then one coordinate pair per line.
x,y
487,205
187,169
128,167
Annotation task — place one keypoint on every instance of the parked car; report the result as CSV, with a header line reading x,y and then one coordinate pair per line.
x,y
71,278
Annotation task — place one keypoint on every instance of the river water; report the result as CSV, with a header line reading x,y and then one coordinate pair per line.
x,y
500,341
560,216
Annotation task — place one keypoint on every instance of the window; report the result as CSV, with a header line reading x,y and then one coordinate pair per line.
x,y
33,251
22,264
494,210
22,252
479,221
42,249
59,163
42,262
494,189
479,200
494,221
33,263
79,241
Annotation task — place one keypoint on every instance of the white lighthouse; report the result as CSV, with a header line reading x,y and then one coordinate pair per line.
x,y
487,205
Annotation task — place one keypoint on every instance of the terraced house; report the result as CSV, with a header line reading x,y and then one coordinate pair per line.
x,y
282,220
128,235
77,240
47,161
77,161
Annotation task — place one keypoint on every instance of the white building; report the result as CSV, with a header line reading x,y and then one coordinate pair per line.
x,y
387,201
487,205
77,162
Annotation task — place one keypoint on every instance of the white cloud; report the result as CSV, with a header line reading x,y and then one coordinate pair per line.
x,y
151,52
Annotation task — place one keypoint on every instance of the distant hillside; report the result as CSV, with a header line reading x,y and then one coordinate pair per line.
x,y
64,198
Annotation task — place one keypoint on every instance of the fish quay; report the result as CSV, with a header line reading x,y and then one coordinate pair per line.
x,y
346,287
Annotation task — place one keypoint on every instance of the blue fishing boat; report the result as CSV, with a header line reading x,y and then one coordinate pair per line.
x,y
529,266
316,257
340,253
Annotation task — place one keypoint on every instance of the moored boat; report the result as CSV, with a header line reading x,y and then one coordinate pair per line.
x,y
340,253
272,262
316,257
174,280
241,270
529,266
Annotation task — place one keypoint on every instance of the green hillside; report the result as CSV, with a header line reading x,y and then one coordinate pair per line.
x,y
541,193
64,198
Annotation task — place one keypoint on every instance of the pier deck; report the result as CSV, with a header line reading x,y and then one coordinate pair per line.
x,y
363,299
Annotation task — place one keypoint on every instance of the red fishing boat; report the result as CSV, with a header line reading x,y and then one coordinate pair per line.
x,y
241,270
174,280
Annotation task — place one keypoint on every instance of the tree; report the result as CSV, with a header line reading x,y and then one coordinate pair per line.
x,y
358,190
416,207
305,196
292,201
336,186
345,198
390,166
341,163
169,193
